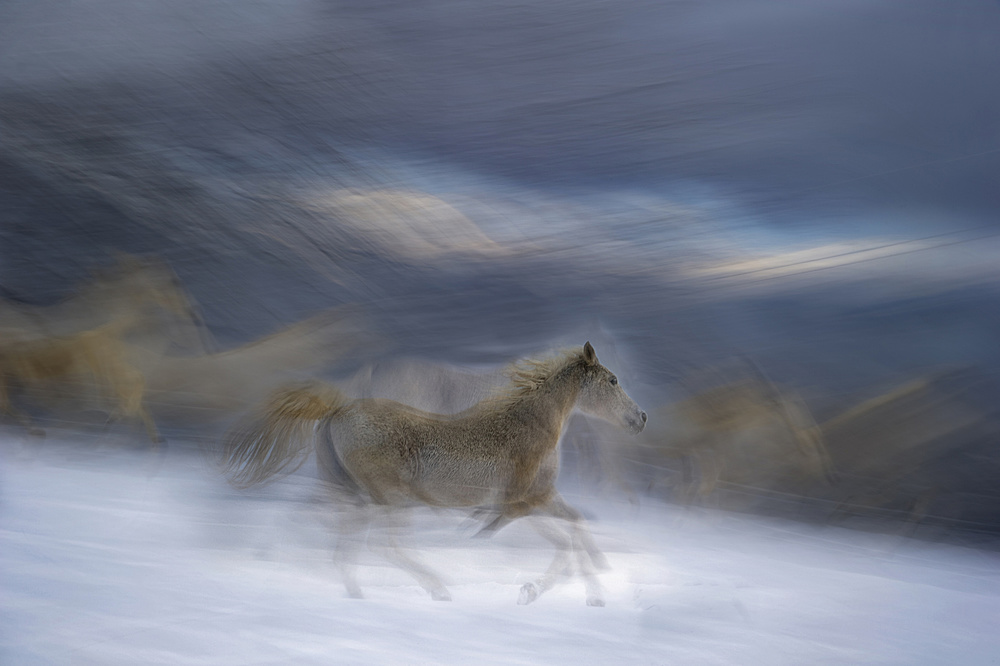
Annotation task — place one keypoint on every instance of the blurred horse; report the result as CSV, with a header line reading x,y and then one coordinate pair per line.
x,y
97,359
900,451
500,455
744,432
134,286
213,387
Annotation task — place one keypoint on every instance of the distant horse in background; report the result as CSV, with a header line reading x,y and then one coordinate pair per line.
x,y
134,286
745,432
501,454
97,360
215,387
891,448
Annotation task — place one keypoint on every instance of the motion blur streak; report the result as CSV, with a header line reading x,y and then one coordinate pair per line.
x,y
777,223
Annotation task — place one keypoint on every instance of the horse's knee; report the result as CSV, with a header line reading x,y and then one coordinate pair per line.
x,y
554,533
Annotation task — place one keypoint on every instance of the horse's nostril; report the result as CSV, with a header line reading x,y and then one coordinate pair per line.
x,y
642,415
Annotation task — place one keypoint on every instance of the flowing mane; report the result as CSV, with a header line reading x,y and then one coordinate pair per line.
x,y
528,375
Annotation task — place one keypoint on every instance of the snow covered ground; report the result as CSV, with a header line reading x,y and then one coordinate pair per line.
x,y
116,555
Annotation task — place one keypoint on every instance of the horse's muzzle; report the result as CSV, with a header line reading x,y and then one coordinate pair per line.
x,y
636,424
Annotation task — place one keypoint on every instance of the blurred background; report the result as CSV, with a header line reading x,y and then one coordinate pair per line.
x,y
776,222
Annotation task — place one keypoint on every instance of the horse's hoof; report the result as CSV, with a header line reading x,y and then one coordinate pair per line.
x,y
529,592
354,592
595,601
440,595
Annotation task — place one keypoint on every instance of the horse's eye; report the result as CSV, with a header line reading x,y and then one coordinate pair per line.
x,y
614,380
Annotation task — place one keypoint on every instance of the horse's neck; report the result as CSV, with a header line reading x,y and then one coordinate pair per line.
x,y
548,407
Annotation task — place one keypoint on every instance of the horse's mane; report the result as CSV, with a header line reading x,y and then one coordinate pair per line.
x,y
528,375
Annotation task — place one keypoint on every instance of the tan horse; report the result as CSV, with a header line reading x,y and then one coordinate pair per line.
x,y
79,364
746,432
134,286
500,454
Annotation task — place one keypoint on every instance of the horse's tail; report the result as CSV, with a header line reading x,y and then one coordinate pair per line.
x,y
279,435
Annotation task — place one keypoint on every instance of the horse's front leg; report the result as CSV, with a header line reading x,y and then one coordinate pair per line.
x,y
576,538
590,559
559,508
561,567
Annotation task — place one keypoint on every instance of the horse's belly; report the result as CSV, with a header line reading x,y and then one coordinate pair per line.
x,y
455,486
398,457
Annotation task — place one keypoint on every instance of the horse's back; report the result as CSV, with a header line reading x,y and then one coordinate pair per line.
x,y
397,453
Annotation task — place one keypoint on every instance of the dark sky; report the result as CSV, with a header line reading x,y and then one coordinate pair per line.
x,y
192,129
782,105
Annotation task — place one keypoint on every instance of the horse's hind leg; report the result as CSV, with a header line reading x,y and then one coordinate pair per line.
x,y
352,529
392,520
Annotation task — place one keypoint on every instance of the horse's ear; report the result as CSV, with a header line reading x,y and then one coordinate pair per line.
x,y
589,355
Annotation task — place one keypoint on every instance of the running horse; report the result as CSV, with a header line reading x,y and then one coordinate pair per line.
x,y
80,364
90,343
499,456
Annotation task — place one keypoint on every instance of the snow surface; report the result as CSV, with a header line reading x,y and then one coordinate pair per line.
x,y
114,555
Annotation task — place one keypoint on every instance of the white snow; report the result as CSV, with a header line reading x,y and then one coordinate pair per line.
x,y
116,555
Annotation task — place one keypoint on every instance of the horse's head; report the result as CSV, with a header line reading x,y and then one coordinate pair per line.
x,y
602,396
142,282
164,289
150,288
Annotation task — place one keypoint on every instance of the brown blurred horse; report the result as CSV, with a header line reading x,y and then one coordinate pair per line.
x,y
745,432
95,360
